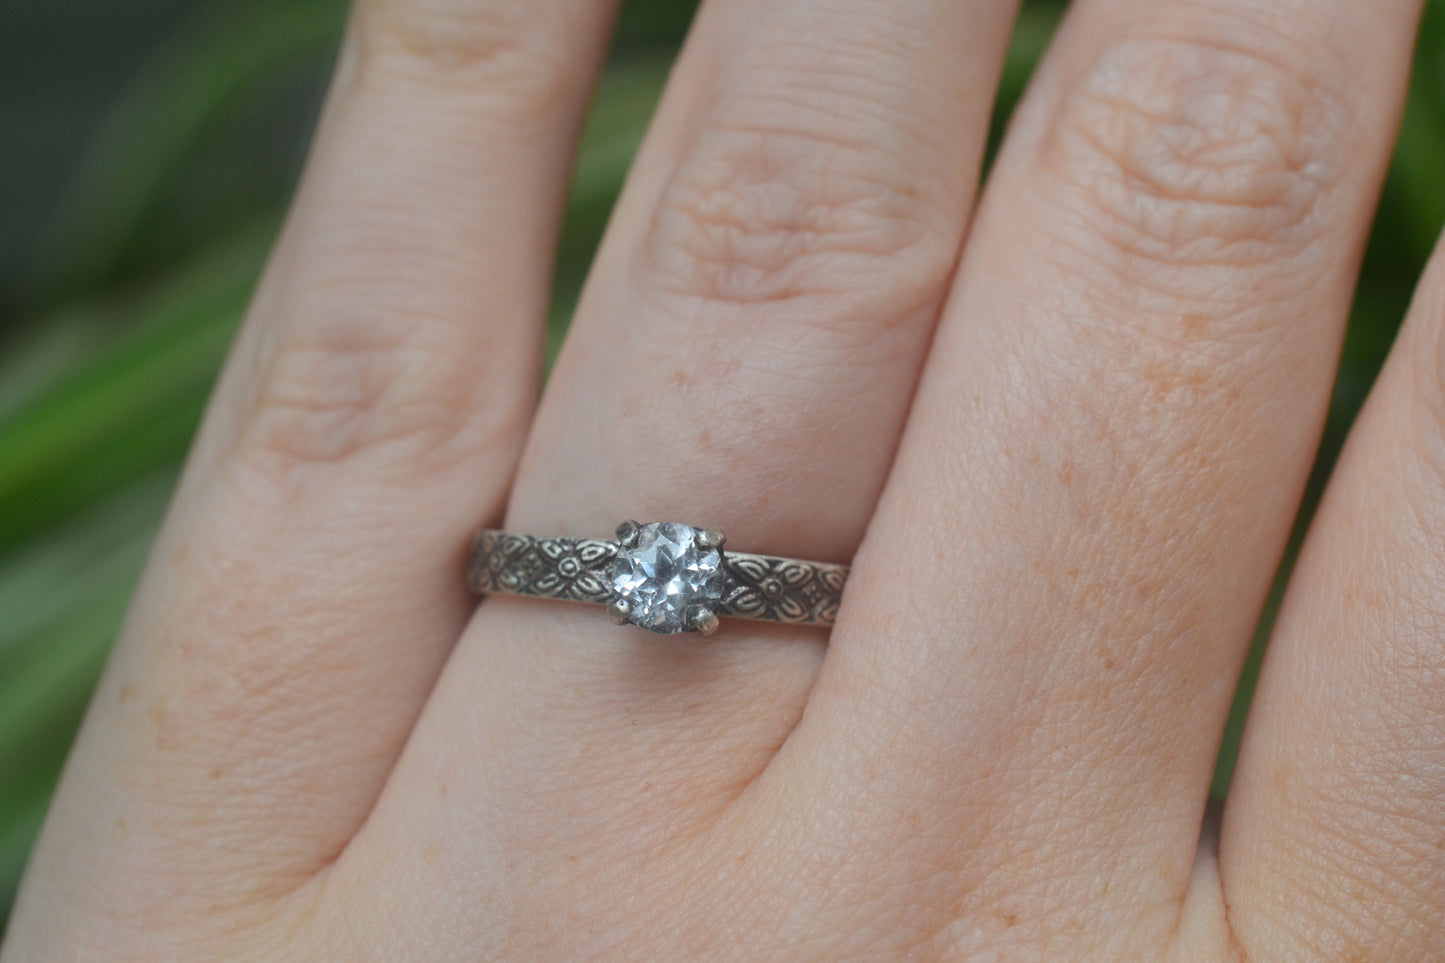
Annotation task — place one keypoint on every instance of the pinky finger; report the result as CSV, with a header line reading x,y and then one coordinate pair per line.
x,y
1334,836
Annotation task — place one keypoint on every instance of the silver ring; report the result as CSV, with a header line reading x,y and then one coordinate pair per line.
x,y
665,577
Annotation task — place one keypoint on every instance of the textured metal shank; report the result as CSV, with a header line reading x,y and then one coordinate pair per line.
x,y
574,569
773,589
759,587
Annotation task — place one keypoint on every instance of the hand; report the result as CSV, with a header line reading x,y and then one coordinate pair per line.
x,y
1064,458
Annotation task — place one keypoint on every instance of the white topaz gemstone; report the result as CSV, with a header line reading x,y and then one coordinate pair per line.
x,y
665,574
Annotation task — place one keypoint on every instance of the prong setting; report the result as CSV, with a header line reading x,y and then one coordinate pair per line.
x,y
710,538
619,611
702,619
627,534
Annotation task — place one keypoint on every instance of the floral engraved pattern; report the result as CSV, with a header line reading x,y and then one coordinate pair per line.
x,y
556,568
759,587
782,589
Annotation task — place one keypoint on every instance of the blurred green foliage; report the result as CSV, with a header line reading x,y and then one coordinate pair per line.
x,y
115,329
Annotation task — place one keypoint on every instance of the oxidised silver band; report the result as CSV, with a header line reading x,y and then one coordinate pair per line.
x,y
758,587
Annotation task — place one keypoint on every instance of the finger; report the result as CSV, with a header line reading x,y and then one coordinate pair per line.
x,y
1037,653
1334,844
742,358
305,590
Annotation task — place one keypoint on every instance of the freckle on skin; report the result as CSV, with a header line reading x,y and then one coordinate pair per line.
x,y
125,694
1166,379
1194,324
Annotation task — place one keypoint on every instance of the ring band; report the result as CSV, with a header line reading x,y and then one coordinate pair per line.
x,y
662,576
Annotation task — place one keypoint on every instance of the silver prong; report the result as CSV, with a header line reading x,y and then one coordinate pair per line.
x,y
702,619
619,611
711,538
627,534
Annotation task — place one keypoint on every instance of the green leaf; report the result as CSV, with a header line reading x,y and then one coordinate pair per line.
x,y
133,406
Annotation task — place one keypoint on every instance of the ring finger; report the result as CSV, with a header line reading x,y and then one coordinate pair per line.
x,y
742,358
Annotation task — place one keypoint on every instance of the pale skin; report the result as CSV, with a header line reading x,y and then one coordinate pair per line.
x,y
1060,425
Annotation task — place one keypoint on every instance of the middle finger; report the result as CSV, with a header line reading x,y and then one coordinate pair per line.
x,y
1101,466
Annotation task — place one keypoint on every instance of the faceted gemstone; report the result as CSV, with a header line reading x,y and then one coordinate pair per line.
x,y
665,574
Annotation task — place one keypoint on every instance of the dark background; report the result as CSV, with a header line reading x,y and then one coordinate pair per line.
x,y
147,148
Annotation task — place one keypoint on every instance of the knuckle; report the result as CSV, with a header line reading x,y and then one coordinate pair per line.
x,y
510,51
758,215
1199,151
331,393
323,400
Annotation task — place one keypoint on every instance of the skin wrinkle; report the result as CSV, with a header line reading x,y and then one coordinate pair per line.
x,y
764,220
850,71
1223,123
783,140
510,51
1237,196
